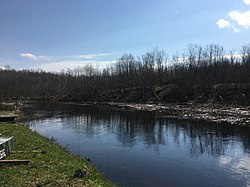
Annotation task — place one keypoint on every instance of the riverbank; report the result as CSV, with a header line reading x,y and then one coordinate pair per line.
x,y
211,112
218,113
50,165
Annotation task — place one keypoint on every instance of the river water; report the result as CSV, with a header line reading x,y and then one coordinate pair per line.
x,y
142,149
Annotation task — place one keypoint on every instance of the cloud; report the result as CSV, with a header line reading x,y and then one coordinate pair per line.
x,y
237,20
47,58
222,23
58,66
247,2
35,57
94,56
29,56
59,63
240,18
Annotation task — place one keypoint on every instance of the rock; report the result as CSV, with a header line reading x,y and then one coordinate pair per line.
x,y
88,159
80,173
43,151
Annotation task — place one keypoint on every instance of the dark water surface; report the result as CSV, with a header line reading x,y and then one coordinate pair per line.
x,y
142,149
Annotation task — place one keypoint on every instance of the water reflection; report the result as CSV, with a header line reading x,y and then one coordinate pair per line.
x,y
138,149
129,127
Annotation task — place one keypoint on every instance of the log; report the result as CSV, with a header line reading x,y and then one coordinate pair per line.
x,y
32,151
14,162
154,94
7,118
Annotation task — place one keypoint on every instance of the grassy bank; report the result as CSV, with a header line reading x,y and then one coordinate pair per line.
x,y
49,166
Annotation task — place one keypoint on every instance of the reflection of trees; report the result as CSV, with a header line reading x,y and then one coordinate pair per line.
x,y
208,138
136,125
129,127
205,142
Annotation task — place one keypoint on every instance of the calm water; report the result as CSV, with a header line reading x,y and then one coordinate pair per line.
x,y
141,149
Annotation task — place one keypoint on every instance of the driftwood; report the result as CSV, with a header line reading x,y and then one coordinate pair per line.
x,y
32,151
156,97
7,118
14,161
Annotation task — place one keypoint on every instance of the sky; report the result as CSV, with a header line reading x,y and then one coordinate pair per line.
x,y
53,35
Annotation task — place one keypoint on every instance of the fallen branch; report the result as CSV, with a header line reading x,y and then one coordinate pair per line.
x,y
14,162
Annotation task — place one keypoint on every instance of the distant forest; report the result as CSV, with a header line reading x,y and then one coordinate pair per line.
x,y
200,74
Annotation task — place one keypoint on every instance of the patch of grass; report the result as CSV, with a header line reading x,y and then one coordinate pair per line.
x,y
49,166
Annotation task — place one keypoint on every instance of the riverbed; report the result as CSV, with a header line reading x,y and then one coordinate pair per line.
x,y
135,148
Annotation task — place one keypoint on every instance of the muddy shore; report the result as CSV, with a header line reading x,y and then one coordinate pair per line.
x,y
235,115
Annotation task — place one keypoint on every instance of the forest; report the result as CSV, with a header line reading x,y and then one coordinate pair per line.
x,y
199,74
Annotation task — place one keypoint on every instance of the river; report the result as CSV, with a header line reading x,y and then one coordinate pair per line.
x,y
143,149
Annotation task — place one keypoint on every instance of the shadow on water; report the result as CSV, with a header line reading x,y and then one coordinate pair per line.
x,y
140,149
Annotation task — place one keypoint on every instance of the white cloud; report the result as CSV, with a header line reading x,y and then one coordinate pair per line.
x,y
47,58
93,56
247,2
58,66
222,23
237,20
59,63
241,18
29,56
35,57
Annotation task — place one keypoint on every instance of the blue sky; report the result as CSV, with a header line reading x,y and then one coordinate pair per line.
x,y
56,34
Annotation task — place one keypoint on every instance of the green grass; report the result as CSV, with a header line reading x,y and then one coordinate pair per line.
x,y
56,167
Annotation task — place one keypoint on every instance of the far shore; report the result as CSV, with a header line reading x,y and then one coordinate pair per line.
x,y
218,113
212,112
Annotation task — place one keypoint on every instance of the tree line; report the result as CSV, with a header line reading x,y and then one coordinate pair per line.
x,y
189,74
